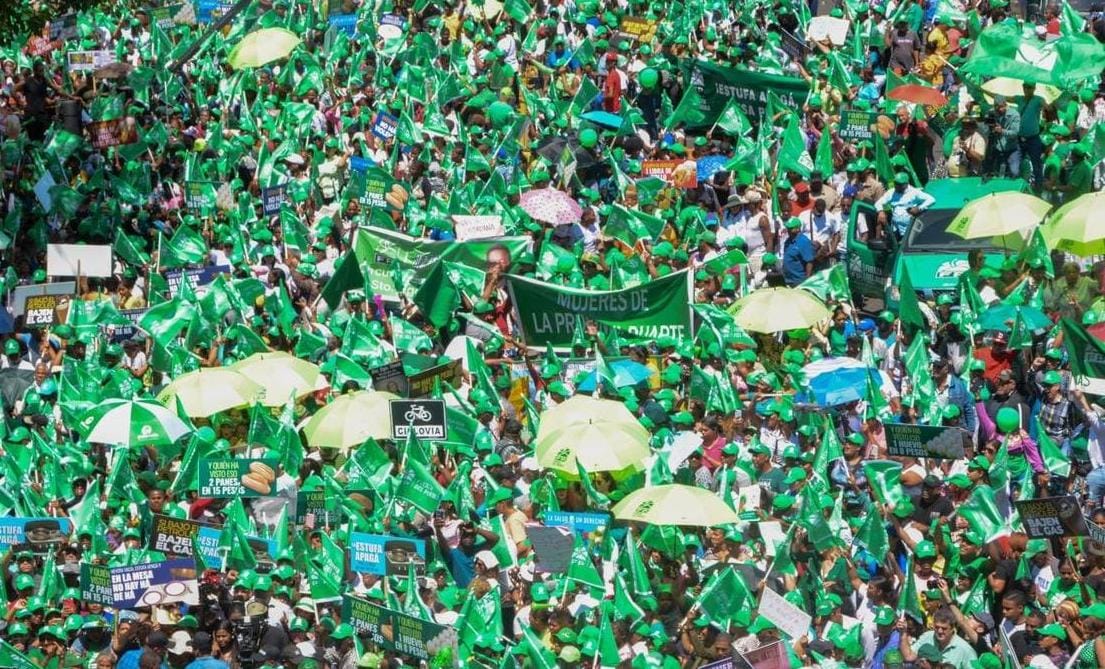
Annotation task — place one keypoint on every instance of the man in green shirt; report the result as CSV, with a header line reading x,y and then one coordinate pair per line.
x,y
1079,177
1031,108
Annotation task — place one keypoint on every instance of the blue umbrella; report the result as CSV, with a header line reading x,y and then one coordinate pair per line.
x,y
833,381
626,373
603,118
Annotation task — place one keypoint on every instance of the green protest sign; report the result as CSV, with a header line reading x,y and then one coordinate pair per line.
x,y
549,313
367,618
236,477
200,195
389,257
857,124
96,584
315,502
420,638
925,441
375,188
717,84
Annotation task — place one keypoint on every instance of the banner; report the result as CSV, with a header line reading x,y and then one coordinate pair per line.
x,y
87,61
477,227
34,534
384,125
425,417
857,124
549,314
106,134
200,195
272,198
576,521
677,172
925,441
236,477
95,582
643,31
197,277
40,311
347,23
386,555
384,253
716,84
422,383
1048,517
397,632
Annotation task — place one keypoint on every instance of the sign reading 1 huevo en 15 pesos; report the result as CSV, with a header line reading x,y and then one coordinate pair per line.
x,y
549,314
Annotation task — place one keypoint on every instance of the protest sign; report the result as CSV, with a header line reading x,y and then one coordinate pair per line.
x,y
384,125
577,521
39,45
925,441
726,663
34,534
770,656
95,582
173,536
829,28
64,27
207,11
382,554
21,293
857,124
641,30
549,313
422,383
425,417
130,584
315,503
552,547
40,311
347,23
390,258
1047,517
42,190
196,277
236,477
78,259
273,198
367,618
106,134
87,61
120,333
716,84
376,188
477,227
791,620
390,378
200,195
167,16
679,173
392,26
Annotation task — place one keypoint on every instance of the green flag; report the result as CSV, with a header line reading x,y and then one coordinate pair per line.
x,y
884,477
793,155
982,515
419,488
732,120
688,111
909,309
581,568
909,602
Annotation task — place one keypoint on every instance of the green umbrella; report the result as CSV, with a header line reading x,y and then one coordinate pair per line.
x,y
280,375
262,47
999,214
1078,227
675,504
132,423
206,392
778,310
601,434
350,420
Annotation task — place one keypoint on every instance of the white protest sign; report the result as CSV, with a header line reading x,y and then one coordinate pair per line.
x,y
681,448
42,190
87,61
791,620
828,28
772,533
478,227
74,259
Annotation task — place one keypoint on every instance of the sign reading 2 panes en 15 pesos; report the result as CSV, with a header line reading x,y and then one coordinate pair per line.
x,y
236,477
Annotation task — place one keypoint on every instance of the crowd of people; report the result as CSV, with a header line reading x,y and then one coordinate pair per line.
x,y
310,204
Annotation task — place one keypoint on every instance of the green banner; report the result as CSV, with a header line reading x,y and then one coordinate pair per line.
x,y
397,632
387,257
858,124
96,584
318,503
716,84
236,477
925,441
549,313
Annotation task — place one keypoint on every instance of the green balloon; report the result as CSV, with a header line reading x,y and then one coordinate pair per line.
x,y
1008,420
649,77
588,138
499,112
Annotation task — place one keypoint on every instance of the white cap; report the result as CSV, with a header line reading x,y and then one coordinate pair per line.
x,y
487,558
180,643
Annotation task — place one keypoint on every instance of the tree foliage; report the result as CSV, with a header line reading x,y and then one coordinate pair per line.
x,y
21,18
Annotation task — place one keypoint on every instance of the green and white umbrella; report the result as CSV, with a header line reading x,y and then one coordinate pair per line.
x,y
350,420
261,47
132,423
